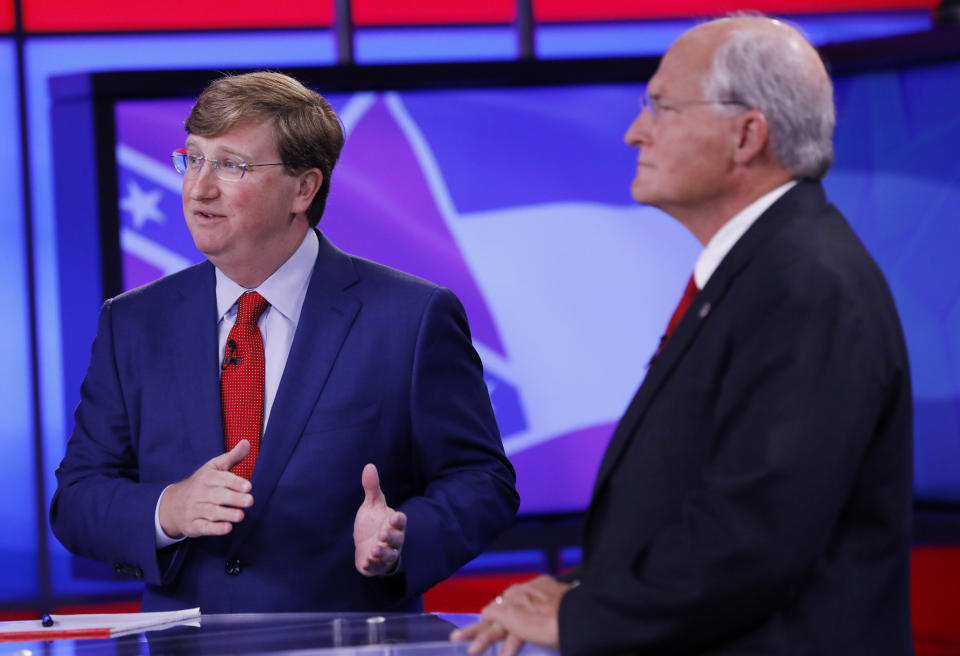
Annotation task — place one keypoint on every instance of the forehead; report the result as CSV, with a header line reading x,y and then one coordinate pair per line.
x,y
684,66
248,138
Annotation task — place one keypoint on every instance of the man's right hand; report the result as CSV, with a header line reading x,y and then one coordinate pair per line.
x,y
210,501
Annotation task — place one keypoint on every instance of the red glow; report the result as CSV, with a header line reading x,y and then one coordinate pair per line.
x,y
469,593
6,15
432,12
578,10
109,15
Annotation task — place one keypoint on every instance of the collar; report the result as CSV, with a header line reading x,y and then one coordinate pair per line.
x,y
731,231
284,289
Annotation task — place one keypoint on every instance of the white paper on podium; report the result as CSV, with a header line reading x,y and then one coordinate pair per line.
x,y
92,626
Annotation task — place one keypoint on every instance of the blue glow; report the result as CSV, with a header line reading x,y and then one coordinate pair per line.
x,y
570,557
827,28
652,38
390,46
17,520
530,560
47,57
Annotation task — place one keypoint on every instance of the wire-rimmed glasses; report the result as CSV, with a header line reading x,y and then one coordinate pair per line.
x,y
226,169
656,105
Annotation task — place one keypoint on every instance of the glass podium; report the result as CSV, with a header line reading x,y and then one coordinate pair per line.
x,y
303,634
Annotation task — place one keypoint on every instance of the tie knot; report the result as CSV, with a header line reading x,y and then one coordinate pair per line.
x,y
249,308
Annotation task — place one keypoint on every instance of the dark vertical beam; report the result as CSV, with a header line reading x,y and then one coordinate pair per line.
x,y
44,599
947,13
524,26
343,24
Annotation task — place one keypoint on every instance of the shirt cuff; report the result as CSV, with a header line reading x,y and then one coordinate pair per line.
x,y
163,540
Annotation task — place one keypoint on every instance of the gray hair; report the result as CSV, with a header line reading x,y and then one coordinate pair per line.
x,y
766,71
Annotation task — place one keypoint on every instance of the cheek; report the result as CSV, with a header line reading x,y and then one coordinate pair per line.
x,y
696,156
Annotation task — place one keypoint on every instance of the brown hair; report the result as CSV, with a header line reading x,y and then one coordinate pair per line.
x,y
307,131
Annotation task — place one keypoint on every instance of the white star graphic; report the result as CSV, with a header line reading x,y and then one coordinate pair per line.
x,y
142,205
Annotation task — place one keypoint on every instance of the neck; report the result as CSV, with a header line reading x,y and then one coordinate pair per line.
x,y
705,219
252,274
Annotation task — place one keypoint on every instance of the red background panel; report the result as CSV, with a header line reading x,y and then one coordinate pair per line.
x,y
106,15
587,10
432,12
6,15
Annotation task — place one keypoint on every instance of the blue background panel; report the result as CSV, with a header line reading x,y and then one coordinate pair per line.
x,y
651,38
431,44
18,527
898,181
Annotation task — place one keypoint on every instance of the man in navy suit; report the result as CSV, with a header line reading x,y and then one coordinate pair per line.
x,y
755,497
369,391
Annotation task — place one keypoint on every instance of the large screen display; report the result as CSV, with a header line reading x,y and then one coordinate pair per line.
x,y
517,199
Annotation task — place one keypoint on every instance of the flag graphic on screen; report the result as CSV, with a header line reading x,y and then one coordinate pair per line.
x,y
517,200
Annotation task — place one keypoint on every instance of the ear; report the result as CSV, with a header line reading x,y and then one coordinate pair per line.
x,y
751,135
308,185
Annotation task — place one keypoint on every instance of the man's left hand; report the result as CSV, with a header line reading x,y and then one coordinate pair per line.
x,y
523,613
378,530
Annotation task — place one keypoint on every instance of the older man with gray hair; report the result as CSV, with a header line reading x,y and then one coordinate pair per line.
x,y
755,497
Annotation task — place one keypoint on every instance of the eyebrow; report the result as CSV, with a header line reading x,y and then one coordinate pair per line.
x,y
190,143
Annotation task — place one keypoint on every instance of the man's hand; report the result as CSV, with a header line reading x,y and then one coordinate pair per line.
x,y
378,530
523,613
210,501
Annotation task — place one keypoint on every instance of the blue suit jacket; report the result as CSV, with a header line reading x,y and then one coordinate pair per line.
x,y
755,497
381,370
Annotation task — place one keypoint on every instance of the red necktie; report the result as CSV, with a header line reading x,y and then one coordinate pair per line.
x,y
241,381
686,301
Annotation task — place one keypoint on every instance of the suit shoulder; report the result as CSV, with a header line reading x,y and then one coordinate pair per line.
x,y
168,287
385,276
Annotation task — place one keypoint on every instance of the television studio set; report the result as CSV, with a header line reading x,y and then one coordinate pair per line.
x,y
496,274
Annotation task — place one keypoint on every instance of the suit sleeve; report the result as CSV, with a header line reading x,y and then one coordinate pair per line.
x,y
470,495
100,508
796,410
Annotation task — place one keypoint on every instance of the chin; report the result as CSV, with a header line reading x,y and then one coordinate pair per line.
x,y
640,194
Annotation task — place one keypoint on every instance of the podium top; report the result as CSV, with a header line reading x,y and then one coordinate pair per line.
x,y
320,634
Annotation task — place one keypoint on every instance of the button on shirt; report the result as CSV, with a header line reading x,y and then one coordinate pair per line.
x,y
285,290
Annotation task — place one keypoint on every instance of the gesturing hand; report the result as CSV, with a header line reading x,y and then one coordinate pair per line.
x,y
378,530
210,501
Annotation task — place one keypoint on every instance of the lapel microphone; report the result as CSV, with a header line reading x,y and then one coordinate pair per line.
x,y
231,357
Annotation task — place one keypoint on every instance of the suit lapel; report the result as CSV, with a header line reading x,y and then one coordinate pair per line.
x,y
804,198
325,320
658,373
192,329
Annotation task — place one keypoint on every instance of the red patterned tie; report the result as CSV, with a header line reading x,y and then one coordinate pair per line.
x,y
241,381
686,301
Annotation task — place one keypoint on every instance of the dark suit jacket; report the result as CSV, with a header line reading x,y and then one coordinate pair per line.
x,y
381,370
755,497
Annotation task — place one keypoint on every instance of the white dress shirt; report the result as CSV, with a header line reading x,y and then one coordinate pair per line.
x,y
728,235
285,291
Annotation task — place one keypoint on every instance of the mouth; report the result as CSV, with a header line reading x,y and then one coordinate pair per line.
x,y
206,215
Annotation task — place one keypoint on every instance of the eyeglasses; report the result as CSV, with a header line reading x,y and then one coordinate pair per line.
x,y
655,106
226,169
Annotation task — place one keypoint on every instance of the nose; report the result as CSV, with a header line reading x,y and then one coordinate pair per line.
x,y
203,184
637,133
